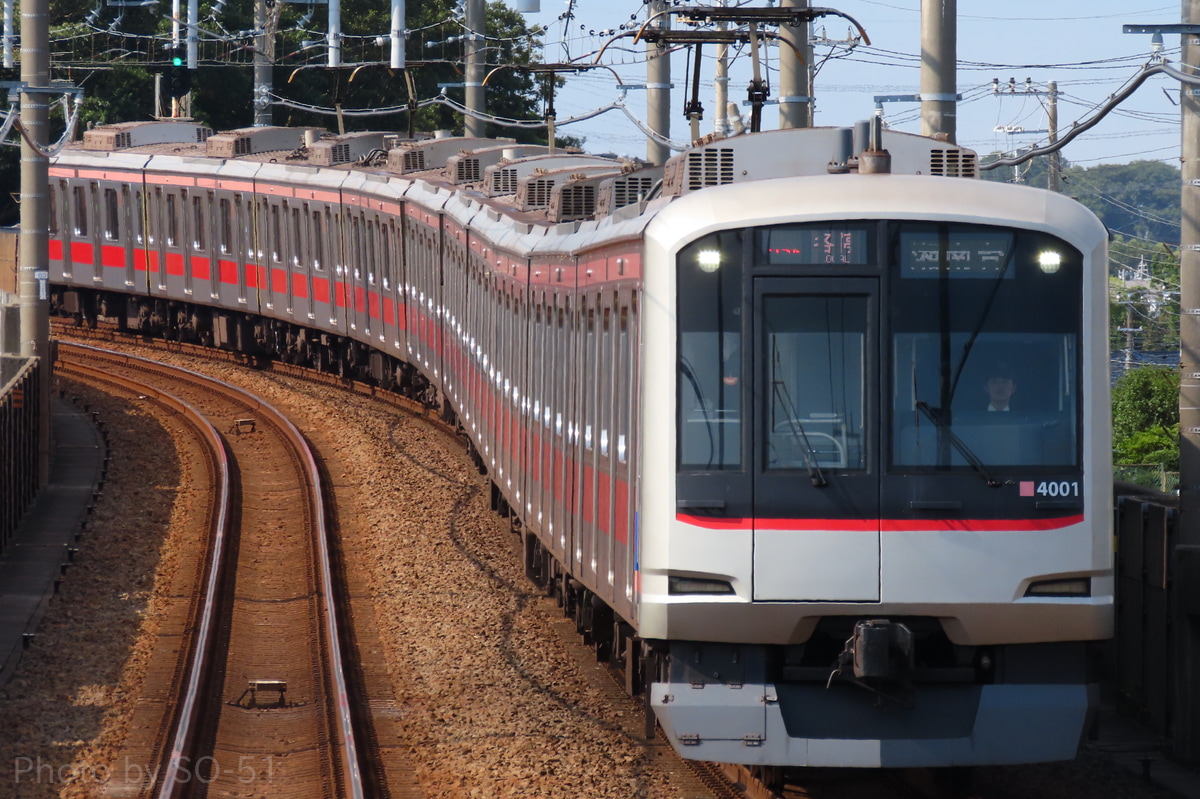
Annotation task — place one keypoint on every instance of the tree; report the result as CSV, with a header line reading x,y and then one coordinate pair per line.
x,y
1145,408
1138,200
117,66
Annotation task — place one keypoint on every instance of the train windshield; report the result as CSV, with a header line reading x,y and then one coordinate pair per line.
x,y
984,348
864,346
816,352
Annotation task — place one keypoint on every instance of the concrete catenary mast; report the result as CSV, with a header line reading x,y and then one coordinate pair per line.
x,y
34,279
939,62
795,77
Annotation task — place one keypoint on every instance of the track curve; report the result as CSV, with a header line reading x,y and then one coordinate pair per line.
x,y
269,591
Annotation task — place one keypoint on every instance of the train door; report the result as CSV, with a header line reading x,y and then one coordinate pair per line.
x,y
815,464
84,253
392,296
299,288
139,258
156,239
227,252
322,237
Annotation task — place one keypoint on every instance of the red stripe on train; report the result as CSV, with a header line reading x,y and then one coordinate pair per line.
x,y
883,525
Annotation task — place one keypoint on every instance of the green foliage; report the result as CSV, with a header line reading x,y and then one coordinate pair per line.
x,y
1145,408
433,60
118,70
1139,199
1160,445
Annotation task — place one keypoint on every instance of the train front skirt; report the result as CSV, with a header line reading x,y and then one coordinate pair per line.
x,y
744,719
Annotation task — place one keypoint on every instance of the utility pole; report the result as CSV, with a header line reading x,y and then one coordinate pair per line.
x,y
1055,179
34,281
795,77
721,125
658,86
1189,274
476,25
659,36
1185,559
1187,732
939,64
263,58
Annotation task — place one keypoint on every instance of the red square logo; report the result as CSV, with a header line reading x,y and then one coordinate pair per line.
x,y
1027,488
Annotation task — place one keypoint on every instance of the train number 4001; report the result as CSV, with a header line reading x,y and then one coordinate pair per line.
x,y
1063,488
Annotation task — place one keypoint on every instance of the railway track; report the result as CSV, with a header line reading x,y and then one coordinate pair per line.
x,y
257,696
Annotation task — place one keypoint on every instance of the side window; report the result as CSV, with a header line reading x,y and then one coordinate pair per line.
x,y
318,241
356,246
198,223
172,222
297,236
81,215
112,215
276,235
139,216
155,215
385,238
226,226
53,210
372,231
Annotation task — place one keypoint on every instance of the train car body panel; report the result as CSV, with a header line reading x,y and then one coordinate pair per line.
x,y
94,205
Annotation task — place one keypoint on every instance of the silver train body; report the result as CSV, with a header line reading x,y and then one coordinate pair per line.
x,y
748,409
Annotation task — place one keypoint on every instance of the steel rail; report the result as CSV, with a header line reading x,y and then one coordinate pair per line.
x,y
184,728
175,779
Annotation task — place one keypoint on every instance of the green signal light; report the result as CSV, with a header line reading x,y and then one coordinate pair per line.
x,y
177,61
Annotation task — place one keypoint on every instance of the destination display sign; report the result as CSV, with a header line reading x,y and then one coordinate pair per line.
x,y
962,254
816,245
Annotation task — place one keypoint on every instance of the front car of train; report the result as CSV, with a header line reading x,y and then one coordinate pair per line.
x,y
875,525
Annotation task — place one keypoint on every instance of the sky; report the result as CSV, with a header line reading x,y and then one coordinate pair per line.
x,y
1077,43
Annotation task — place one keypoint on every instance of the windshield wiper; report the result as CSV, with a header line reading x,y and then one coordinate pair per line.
x,y
959,444
796,428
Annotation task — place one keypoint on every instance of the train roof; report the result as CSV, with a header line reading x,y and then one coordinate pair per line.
x,y
527,195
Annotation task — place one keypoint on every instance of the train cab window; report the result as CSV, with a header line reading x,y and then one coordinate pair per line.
x,y
709,381
985,348
81,210
112,215
814,353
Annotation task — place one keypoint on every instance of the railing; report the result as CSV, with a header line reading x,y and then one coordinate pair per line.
x,y
1151,663
1149,475
19,420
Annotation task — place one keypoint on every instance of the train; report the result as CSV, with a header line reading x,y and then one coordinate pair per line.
x,y
809,429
